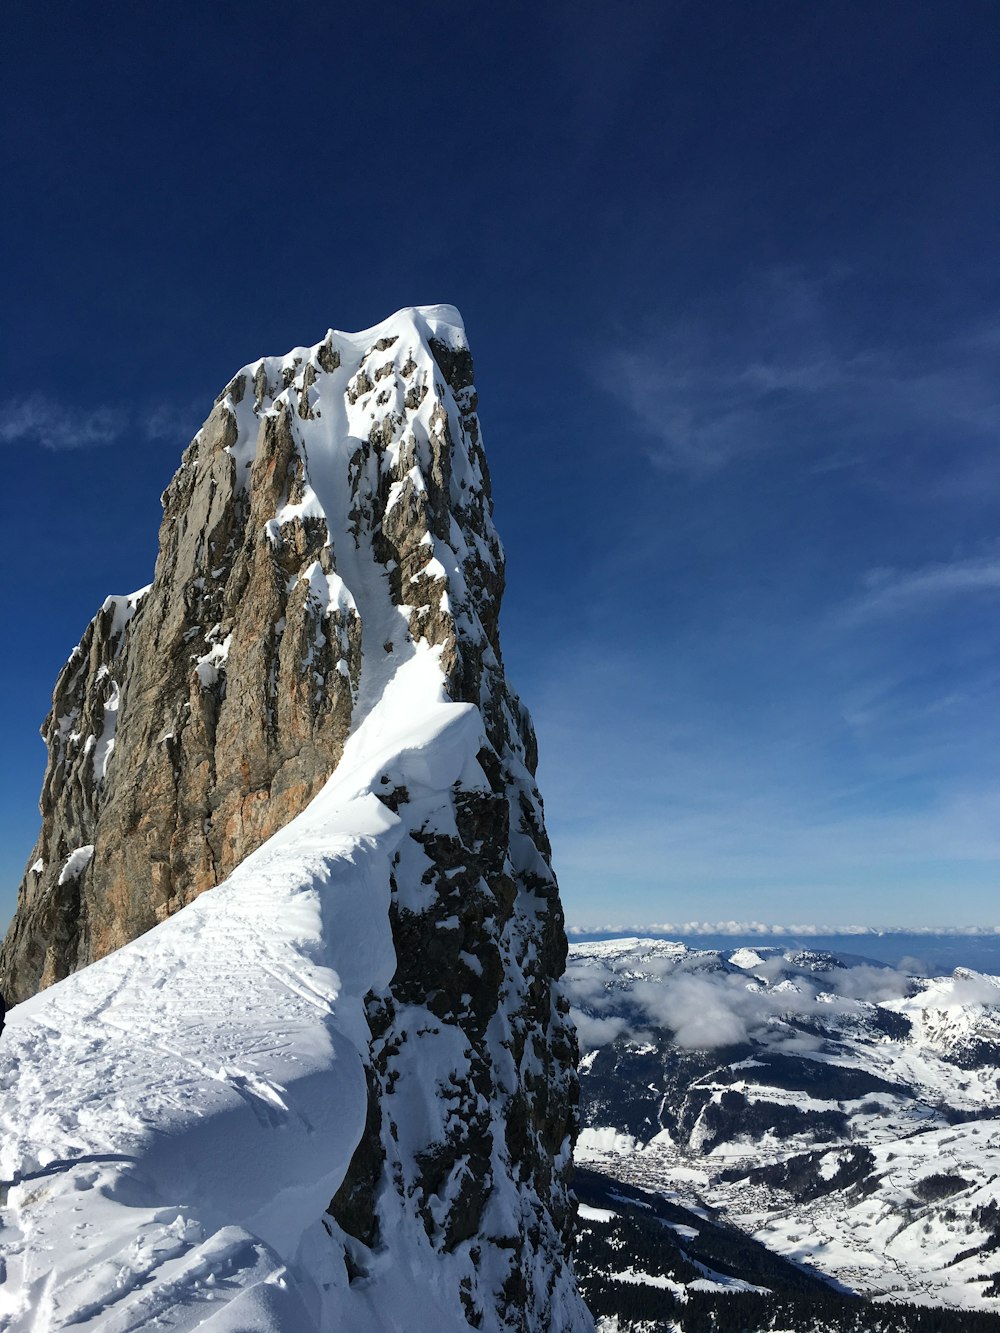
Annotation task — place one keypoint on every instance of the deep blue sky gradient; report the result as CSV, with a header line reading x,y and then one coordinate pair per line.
x,y
730,277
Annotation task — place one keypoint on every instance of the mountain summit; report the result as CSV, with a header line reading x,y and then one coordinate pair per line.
x,y
339,1089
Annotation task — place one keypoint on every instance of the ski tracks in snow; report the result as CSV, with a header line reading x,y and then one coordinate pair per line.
x,y
155,1108
175,1119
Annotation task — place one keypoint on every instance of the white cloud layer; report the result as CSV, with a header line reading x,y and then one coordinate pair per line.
x,y
706,1009
705,1003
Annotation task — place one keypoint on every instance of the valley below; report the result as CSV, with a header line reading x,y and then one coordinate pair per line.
x,y
835,1121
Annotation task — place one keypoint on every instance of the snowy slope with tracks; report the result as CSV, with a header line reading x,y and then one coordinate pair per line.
x,y
176,1118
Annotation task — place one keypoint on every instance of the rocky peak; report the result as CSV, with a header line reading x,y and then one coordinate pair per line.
x,y
239,678
331,520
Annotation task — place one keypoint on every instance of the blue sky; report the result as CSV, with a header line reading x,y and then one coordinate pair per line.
x,y
730,277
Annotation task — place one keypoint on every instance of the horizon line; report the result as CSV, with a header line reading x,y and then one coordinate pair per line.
x,y
759,928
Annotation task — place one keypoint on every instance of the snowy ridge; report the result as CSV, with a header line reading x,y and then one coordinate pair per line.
x,y
231,1035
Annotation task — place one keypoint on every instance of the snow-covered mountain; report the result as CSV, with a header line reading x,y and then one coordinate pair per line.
x,y
337,1090
844,1114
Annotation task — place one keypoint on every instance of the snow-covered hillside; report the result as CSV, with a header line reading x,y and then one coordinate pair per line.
x,y
335,1090
844,1114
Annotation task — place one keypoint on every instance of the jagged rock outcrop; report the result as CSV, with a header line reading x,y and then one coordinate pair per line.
x,y
333,514
238,668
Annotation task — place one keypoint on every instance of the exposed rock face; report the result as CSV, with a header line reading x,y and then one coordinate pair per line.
x,y
199,716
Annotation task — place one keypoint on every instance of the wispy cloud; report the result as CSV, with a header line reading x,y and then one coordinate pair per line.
x,y
685,798
891,591
38,420
773,367
764,841
42,422
172,421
